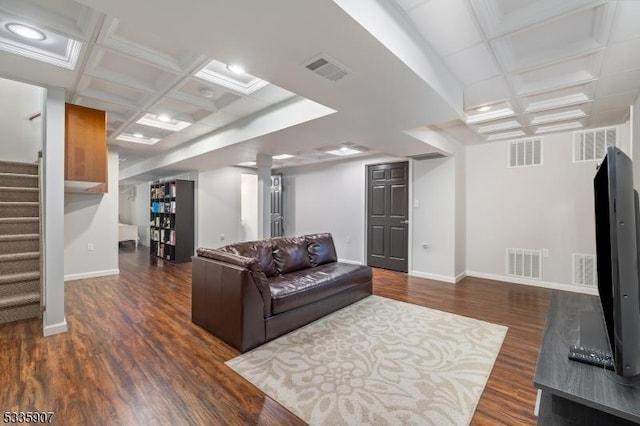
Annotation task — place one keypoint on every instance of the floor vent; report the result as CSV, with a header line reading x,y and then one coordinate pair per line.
x,y
526,152
591,145
327,68
524,263
584,270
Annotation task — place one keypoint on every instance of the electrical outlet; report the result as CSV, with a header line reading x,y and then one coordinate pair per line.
x,y
91,247
348,239
416,204
545,252
222,237
425,246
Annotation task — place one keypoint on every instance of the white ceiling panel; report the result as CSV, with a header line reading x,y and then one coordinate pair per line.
x,y
570,36
618,101
576,112
272,94
244,107
484,66
219,119
179,110
113,93
623,56
500,17
574,95
485,92
447,25
573,72
618,83
410,4
627,26
127,71
609,117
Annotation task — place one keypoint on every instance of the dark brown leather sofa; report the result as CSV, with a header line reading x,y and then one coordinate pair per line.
x,y
249,293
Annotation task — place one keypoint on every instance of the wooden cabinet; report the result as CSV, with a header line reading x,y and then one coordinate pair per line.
x,y
85,168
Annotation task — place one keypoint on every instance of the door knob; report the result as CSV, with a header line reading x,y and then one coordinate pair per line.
x,y
406,221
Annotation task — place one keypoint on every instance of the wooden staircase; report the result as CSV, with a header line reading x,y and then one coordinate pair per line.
x,y
20,278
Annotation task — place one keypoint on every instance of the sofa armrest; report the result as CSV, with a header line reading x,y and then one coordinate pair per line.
x,y
226,301
249,263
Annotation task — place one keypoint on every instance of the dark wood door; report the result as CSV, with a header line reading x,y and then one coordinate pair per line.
x,y
277,228
388,216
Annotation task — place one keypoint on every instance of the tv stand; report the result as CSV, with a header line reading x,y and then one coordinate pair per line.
x,y
575,393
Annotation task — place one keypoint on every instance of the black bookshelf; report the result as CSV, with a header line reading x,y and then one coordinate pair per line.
x,y
171,220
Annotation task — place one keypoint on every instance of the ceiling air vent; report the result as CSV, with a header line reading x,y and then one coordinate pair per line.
x,y
327,68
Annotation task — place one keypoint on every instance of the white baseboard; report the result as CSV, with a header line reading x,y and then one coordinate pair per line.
x,y
50,330
534,283
436,277
93,274
353,262
461,276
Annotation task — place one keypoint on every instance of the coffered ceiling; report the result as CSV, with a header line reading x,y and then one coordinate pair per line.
x,y
324,74
531,67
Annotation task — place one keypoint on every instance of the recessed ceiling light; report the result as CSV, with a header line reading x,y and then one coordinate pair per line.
x,y
236,69
282,156
344,151
138,135
26,31
247,164
163,121
221,74
489,116
484,108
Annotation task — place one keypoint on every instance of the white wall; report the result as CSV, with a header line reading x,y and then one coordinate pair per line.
x,y
248,207
538,207
434,218
635,142
329,197
53,208
21,138
219,207
92,219
126,197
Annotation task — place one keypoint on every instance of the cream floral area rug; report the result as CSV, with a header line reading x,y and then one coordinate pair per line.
x,y
378,361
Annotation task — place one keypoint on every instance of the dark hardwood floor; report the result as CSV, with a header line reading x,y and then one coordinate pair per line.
x,y
132,355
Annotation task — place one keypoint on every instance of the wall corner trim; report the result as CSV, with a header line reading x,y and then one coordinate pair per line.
x,y
460,276
93,274
535,283
50,330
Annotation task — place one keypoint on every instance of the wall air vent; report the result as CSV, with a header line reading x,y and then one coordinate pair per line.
x,y
524,263
584,270
591,145
525,152
327,68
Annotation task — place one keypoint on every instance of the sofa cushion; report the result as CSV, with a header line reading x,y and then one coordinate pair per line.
x,y
290,254
302,287
260,250
321,249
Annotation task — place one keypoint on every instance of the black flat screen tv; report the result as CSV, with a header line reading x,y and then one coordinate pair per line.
x,y
617,236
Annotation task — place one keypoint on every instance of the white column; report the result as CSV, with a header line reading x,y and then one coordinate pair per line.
x,y
53,212
264,163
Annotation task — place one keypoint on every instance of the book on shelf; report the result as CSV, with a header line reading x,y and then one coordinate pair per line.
x,y
173,207
172,190
172,238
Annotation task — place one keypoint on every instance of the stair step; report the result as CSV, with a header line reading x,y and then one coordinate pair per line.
x,y
17,313
19,243
19,225
12,209
18,180
16,263
14,193
20,287
17,167
18,300
14,278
